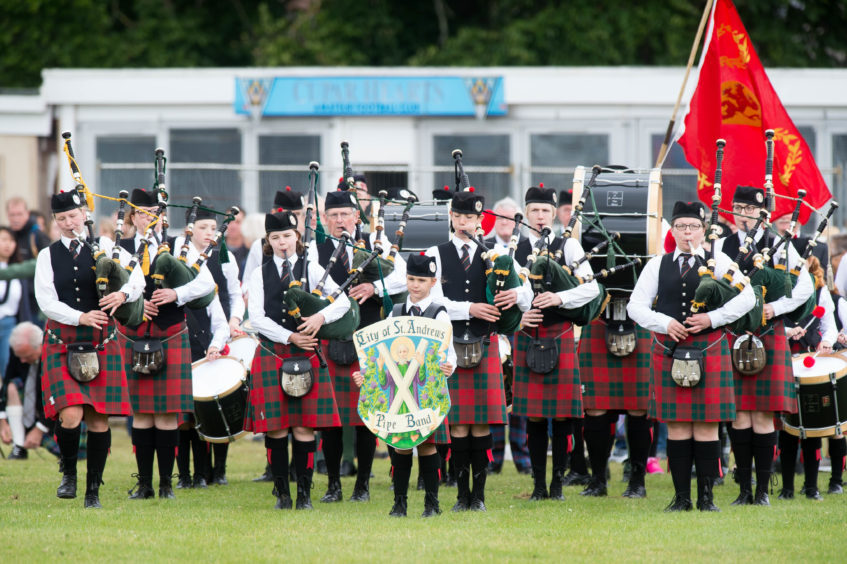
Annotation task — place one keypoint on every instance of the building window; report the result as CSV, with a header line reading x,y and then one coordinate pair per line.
x,y
288,156
838,178
122,151
554,156
479,151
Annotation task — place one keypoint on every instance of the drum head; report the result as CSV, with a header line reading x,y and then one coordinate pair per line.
x,y
823,366
244,349
211,378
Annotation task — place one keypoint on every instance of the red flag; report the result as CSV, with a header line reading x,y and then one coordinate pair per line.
x,y
735,101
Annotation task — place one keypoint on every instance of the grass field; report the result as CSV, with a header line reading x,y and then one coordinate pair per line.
x,y
238,522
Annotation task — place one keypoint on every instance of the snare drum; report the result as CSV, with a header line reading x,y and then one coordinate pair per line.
x,y
626,202
220,398
243,348
821,397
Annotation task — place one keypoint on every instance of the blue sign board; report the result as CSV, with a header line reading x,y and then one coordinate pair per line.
x,y
370,96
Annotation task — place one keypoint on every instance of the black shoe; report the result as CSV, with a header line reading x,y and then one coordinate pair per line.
x,y
143,489
400,506
431,507
477,505
184,483
556,484
219,477
706,500
304,487
744,498
166,491
67,489
462,504
635,487
320,466
835,488
333,491
576,479
812,493
361,492
92,491
635,491
786,494
420,485
200,481
595,488
347,469
281,492
761,498
18,453
679,503
539,492
266,477
719,481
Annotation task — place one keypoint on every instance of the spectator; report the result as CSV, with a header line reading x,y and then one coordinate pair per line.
x,y
11,292
30,240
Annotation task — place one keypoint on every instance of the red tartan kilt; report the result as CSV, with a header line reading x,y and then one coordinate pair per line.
x,y
346,392
271,409
106,394
772,389
611,382
711,400
441,435
476,394
555,394
169,391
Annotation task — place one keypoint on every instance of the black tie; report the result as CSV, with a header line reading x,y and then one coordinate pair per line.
x,y
685,266
415,311
74,248
345,260
286,274
466,257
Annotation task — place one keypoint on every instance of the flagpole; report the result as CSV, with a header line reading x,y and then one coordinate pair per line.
x,y
664,148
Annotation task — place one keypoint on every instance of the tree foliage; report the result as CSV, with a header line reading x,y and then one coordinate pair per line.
x,y
212,33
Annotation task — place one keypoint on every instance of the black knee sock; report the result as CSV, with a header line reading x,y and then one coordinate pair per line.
x,y
837,452
365,449
304,452
638,435
68,441
680,458
764,450
480,449
166,442
811,463
332,445
578,463
461,456
560,444
144,441
443,455
98,450
429,466
536,440
654,439
707,459
402,472
742,448
278,457
183,455
221,451
597,440
200,452
787,458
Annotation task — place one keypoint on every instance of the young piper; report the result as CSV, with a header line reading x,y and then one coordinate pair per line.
x,y
661,303
273,411
66,291
476,390
420,279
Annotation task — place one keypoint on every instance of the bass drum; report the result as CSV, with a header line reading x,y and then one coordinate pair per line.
x,y
625,201
243,348
428,225
821,397
221,397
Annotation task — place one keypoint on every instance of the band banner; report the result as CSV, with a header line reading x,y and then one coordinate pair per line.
x,y
404,395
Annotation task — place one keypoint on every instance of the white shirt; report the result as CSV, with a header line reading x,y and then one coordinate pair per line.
x,y
841,278
440,316
640,307
829,331
230,270
45,288
256,300
802,289
200,286
255,258
460,310
220,325
13,301
584,293
841,312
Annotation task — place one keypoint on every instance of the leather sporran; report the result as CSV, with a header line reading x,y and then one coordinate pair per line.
x,y
342,351
748,355
148,356
469,351
295,376
687,367
620,339
83,363
542,356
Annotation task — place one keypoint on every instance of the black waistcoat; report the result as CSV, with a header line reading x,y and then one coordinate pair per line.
x,y
431,311
675,293
199,332
370,311
275,307
74,280
215,267
462,286
813,337
731,245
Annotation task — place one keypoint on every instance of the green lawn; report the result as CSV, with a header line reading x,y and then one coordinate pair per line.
x,y
238,522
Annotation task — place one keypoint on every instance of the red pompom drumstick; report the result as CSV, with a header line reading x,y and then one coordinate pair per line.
x,y
817,313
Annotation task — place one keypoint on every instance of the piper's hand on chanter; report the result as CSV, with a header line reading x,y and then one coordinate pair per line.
x,y
677,331
768,311
235,327
150,309
214,353
311,324
94,318
446,368
698,322
361,292
163,296
547,299
357,378
112,301
824,348
532,317
305,342
506,298
486,312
